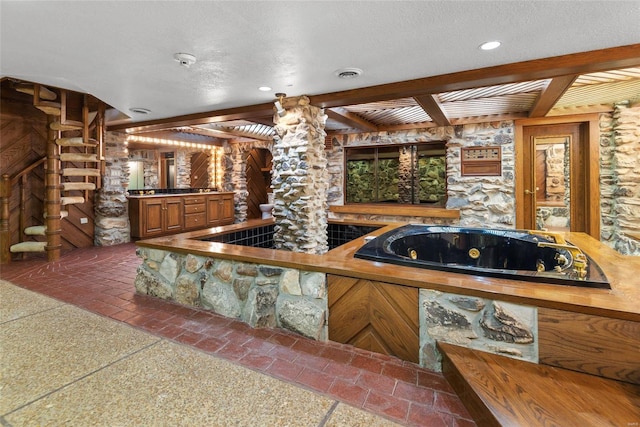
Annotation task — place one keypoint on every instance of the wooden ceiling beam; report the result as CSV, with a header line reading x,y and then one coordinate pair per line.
x,y
350,119
537,69
226,134
248,113
431,106
551,94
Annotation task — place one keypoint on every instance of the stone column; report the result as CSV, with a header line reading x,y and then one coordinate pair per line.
x,y
111,204
300,181
183,168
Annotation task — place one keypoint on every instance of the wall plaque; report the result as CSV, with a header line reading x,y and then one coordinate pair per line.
x,y
481,161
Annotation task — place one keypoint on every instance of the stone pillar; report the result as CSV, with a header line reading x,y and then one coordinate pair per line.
x,y
235,166
111,204
406,179
183,168
300,181
626,136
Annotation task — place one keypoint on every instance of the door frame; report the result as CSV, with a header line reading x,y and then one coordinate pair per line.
x,y
591,165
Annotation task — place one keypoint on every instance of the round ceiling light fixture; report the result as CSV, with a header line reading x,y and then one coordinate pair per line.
x,y
264,89
490,45
139,110
185,60
348,73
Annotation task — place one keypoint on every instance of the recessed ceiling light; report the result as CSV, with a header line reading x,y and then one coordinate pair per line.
x,y
139,110
490,45
264,88
348,73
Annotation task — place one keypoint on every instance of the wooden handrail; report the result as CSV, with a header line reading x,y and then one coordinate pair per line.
x,y
6,185
32,166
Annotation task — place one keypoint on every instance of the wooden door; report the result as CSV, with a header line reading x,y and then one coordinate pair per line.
x,y
174,214
258,180
577,186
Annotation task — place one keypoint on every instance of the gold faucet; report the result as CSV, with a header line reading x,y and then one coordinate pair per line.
x,y
579,258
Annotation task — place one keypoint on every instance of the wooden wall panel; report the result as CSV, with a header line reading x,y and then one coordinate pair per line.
x,y
200,170
374,316
592,344
22,142
258,180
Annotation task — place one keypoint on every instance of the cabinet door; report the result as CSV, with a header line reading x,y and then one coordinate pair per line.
x,y
152,211
174,214
227,214
213,210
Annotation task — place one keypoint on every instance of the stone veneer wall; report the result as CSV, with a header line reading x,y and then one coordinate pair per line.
x,y
620,178
483,201
183,167
260,295
300,179
493,326
111,204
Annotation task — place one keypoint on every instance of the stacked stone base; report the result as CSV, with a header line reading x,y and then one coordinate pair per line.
x,y
260,295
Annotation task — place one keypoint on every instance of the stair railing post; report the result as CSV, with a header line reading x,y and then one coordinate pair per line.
x,y
52,199
5,233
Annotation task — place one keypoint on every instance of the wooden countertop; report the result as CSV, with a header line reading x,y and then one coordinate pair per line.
x,y
623,272
148,196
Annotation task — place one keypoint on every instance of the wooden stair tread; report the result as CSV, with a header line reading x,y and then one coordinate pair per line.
x,y
28,247
63,214
75,186
80,172
68,125
71,200
30,90
35,230
77,141
48,107
501,391
78,157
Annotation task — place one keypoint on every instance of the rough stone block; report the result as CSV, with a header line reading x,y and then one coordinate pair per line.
x,y
260,309
148,284
224,271
290,282
301,316
170,267
221,299
192,263
187,291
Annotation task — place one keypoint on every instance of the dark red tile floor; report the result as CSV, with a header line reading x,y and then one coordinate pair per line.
x,y
100,279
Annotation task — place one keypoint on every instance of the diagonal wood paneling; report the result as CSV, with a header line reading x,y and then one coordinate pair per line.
x,y
200,170
258,180
374,316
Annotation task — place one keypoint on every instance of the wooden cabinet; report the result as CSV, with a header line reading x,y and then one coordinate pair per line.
x,y
156,216
220,209
152,216
195,215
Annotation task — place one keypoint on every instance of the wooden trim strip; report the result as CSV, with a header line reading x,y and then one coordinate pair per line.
x,y
396,210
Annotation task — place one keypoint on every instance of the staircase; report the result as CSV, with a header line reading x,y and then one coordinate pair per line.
x,y
73,166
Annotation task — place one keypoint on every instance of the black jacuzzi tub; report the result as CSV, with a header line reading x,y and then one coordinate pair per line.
x,y
514,254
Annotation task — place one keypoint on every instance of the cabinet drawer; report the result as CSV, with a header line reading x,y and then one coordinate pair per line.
x,y
195,220
193,200
190,209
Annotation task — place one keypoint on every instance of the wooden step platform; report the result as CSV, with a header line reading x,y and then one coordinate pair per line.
x,y
501,391
28,247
